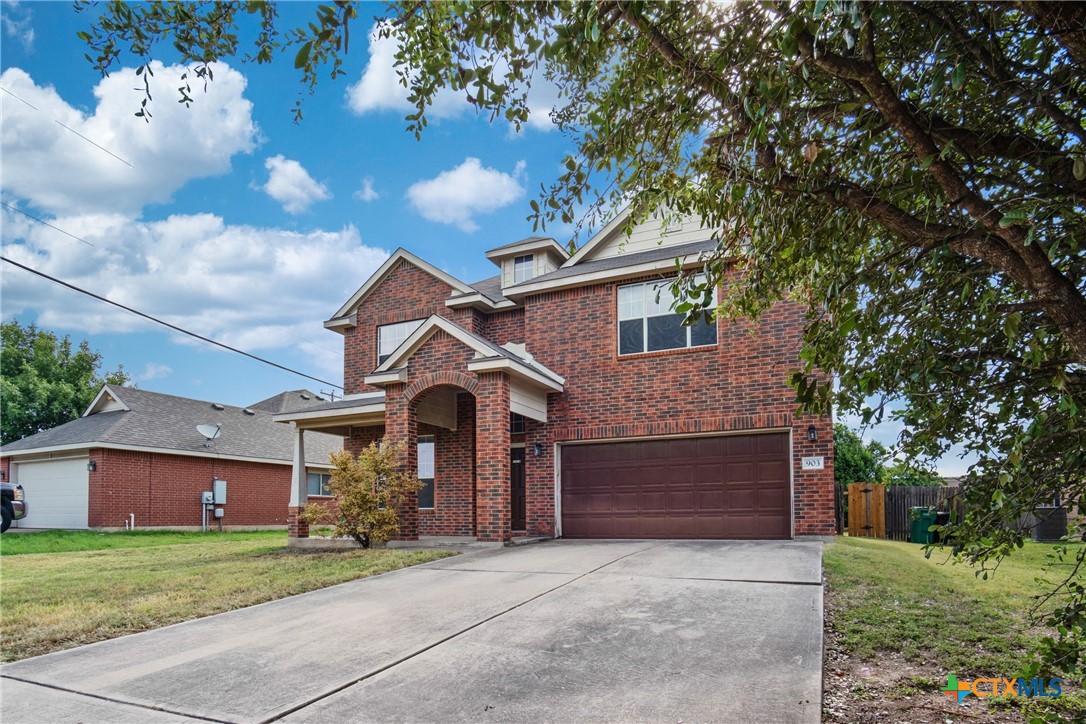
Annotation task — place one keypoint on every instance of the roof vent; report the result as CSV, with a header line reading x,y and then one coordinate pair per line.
x,y
304,396
217,406
249,411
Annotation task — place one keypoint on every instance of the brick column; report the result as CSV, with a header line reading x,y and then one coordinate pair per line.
x,y
493,520
813,489
401,425
299,489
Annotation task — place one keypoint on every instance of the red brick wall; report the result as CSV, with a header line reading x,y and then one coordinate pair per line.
x,y
454,474
504,327
492,458
406,293
164,490
740,384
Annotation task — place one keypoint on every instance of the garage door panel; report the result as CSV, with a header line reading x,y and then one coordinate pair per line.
x,y
56,492
713,487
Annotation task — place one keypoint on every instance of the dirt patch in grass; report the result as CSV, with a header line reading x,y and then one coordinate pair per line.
x,y
896,624
54,601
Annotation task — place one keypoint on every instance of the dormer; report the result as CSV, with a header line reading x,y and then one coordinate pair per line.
x,y
527,259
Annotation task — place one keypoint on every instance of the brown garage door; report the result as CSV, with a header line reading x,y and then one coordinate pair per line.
x,y
734,486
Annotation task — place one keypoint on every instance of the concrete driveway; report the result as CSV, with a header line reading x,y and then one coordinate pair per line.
x,y
563,631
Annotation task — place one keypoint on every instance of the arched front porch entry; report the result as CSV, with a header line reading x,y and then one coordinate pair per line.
x,y
457,429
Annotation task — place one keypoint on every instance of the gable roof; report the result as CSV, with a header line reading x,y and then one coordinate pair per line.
x,y
342,317
289,401
602,235
530,243
167,423
519,362
661,259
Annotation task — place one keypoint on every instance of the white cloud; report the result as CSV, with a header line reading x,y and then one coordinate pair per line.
x,y
250,287
18,23
457,195
380,89
58,171
292,186
154,370
366,192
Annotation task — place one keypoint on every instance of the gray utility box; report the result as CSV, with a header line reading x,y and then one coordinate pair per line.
x,y
218,491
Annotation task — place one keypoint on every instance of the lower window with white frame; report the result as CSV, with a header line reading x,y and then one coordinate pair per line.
x,y
426,470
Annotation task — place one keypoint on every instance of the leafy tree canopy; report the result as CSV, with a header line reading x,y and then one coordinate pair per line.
x,y
44,382
902,473
914,172
855,461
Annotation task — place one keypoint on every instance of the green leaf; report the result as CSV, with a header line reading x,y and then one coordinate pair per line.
x,y
1078,168
303,55
957,77
1011,218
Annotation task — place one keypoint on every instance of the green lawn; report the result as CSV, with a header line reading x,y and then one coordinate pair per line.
x,y
886,598
63,589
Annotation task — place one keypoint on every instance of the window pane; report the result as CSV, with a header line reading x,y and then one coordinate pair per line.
x,y
313,483
426,456
631,336
631,302
666,332
702,334
666,302
326,484
426,493
391,336
522,269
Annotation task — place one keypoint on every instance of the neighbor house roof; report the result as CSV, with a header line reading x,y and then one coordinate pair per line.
x,y
166,423
290,401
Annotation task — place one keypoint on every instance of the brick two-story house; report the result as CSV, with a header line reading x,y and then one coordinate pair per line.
x,y
563,397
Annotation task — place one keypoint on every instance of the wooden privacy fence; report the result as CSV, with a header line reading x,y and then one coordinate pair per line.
x,y
900,498
866,513
878,511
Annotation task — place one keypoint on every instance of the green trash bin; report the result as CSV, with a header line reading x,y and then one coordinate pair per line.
x,y
922,518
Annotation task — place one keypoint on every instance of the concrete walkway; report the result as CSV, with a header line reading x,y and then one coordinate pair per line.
x,y
562,631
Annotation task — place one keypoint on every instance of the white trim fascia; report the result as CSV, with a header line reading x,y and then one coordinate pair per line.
x,y
418,338
480,301
616,274
338,323
528,245
363,395
373,408
505,364
16,454
386,378
598,239
112,393
378,276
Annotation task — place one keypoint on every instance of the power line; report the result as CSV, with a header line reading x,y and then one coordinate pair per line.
x,y
40,221
100,147
164,323
126,163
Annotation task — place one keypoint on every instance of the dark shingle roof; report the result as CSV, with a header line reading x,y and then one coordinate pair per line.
x,y
624,260
525,240
491,288
291,401
167,422
366,399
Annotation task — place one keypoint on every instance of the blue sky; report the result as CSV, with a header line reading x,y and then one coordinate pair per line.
x,y
229,219
232,220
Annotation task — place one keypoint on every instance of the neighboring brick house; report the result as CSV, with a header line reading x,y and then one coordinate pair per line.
x,y
563,398
136,457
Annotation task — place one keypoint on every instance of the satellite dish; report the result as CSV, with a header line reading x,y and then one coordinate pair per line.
x,y
209,431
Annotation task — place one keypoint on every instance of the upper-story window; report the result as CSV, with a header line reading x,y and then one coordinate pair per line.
x,y
646,322
523,268
391,336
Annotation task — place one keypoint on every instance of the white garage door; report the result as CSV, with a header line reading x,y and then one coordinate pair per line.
x,y
56,493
